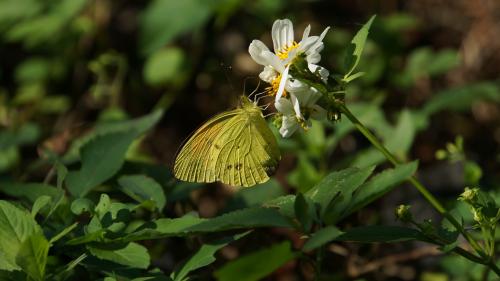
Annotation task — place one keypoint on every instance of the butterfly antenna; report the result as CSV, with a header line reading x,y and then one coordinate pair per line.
x,y
261,96
265,107
270,114
254,92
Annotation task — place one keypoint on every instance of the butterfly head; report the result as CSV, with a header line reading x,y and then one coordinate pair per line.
x,y
249,105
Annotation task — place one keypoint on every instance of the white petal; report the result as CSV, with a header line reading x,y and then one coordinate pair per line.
x,y
295,85
306,33
318,112
282,34
261,55
268,74
314,57
323,72
288,126
284,106
323,34
274,61
256,49
315,48
306,44
281,88
296,106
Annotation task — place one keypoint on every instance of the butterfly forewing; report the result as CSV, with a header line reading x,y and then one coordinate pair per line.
x,y
236,148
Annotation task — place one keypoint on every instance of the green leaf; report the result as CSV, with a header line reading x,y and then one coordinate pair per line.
x,y
82,205
101,159
251,197
139,126
163,66
304,212
398,141
41,202
142,188
203,257
256,265
133,255
378,186
164,20
30,191
16,226
322,237
339,186
241,219
26,134
461,98
246,218
32,256
401,138
378,233
355,50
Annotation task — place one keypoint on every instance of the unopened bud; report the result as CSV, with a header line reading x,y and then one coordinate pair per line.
x,y
469,195
403,213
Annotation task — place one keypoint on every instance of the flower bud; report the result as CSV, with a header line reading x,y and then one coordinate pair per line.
x,y
469,195
403,213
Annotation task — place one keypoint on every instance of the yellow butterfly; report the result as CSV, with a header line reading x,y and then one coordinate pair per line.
x,y
235,147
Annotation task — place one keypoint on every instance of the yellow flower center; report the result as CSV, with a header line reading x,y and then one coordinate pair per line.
x,y
272,90
284,53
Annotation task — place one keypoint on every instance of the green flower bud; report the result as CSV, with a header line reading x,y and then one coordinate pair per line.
x,y
403,213
478,215
469,195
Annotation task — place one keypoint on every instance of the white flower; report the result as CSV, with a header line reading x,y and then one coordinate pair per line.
x,y
285,50
290,122
307,102
294,99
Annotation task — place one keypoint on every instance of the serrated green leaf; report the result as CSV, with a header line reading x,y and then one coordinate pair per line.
x,y
241,219
338,185
380,233
16,226
378,186
142,188
32,256
133,255
321,237
246,218
355,50
203,257
101,159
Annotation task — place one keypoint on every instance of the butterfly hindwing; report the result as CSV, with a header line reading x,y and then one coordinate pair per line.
x,y
236,148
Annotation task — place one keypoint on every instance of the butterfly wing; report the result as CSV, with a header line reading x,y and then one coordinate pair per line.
x,y
236,148
193,163
249,154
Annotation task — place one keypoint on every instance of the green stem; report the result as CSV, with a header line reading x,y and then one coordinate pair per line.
x,y
420,187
